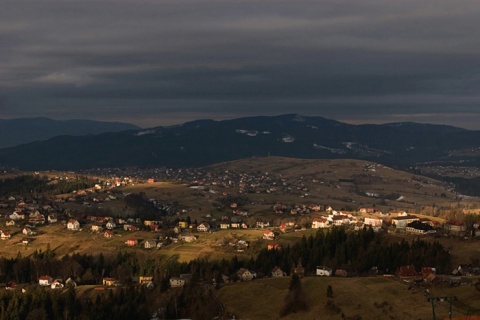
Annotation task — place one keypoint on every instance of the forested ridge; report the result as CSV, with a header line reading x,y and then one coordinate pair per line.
x,y
31,184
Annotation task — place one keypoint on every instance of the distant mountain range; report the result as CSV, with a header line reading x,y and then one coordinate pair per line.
x,y
205,142
14,132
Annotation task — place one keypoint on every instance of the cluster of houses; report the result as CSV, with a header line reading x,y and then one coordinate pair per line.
x,y
398,222
47,281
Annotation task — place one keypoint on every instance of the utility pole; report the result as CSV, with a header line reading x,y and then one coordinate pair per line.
x,y
433,299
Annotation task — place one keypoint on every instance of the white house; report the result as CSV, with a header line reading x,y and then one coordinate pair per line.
x,y
340,219
374,222
45,280
324,271
52,218
73,224
402,220
5,234
203,227
27,231
149,244
262,224
177,282
268,235
277,272
319,223
17,216
57,284
111,225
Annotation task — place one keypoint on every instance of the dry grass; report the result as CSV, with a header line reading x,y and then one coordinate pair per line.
x,y
371,298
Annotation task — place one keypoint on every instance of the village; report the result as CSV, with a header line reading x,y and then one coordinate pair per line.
x,y
25,219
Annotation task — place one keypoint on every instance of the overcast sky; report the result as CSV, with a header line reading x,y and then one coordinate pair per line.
x,y
166,62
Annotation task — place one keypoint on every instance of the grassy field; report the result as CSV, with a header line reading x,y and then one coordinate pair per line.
x,y
370,298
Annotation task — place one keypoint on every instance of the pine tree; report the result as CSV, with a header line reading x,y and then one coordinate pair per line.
x,y
295,299
329,292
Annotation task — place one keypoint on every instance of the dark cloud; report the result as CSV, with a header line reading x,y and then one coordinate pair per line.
x,y
164,62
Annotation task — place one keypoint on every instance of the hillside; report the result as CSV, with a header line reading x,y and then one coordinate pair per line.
x,y
346,183
376,298
206,142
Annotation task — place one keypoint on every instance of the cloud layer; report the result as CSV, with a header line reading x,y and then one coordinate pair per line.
x,y
163,62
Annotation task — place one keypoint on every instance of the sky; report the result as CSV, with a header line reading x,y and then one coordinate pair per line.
x,y
162,62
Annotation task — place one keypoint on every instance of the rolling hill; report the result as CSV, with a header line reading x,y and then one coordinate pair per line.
x,y
205,142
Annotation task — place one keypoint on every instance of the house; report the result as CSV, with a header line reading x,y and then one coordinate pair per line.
x,y
244,274
25,241
188,238
224,225
403,220
277,272
339,220
109,282
129,227
268,235
273,246
131,242
203,227
262,224
324,271
318,223
120,220
455,227
52,218
57,284
154,227
145,279
176,282
427,271
45,280
183,224
36,218
149,244
17,215
108,234
111,225
96,228
407,271
4,235
73,225
147,223
374,222
9,222
417,227
27,231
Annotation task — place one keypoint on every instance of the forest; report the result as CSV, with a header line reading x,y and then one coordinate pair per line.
x,y
25,185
